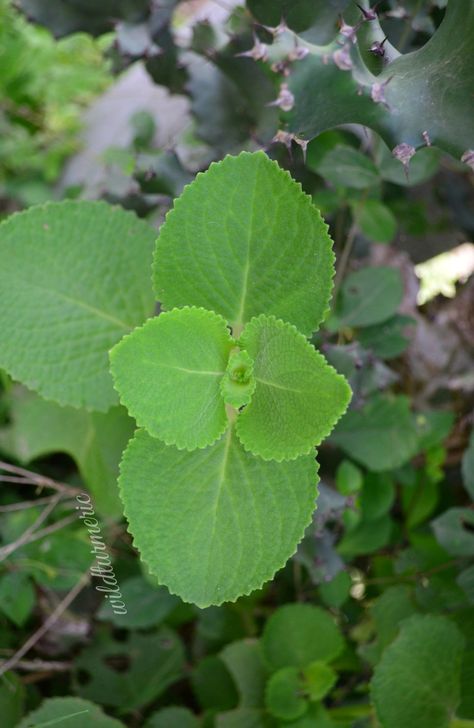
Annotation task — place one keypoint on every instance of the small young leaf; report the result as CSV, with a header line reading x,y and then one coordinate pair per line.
x,y
238,383
168,373
349,478
376,221
298,396
417,681
17,596
454,530
283,695
299,634
74,279
253,243
214,524
319,678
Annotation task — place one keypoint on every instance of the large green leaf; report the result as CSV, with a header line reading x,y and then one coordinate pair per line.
x,y
95,440
73,712
252,243
298,396
74,279
298,634
214,524
416,683
381,436
421,95
168,373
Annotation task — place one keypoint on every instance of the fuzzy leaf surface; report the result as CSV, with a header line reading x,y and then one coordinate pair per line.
x,y
298,396
253,243
417,681
168,373
74,279
214,524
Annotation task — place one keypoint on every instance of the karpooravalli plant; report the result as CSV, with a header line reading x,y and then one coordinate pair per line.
x,y
229,395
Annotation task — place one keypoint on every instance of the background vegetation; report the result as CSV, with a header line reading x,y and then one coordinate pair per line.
x,y
372,622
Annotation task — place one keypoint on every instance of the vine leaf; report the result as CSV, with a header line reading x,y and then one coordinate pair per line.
x,y
298,396
214,524
74,278
417,681
168,374
253,243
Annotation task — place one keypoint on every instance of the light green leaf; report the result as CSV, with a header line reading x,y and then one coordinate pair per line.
x,y
252,243
168,373
245,664
17,596
214,524
74,279
173,717
238,383
147,605
95,441
73,712
369,296
298,397
417,681
345,166
381,436
283,694
349,478
298,634
376,221
318,680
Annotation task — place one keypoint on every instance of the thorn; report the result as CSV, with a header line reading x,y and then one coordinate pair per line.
x,y
259,52
426,138
404,152
285,100
298,53
342,59
377,48
348,31
283,137
280,67
468,158
371,13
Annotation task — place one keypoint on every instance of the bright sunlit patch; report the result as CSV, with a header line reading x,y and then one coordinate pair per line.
x,y
440,274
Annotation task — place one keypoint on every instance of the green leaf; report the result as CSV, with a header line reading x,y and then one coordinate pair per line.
x,y
454,530
298,396
387,339
392,607
349,478
17,596
245,663
345,166
73,712
151,662
253,243
238,383
369,296
417,681
74,279
377,495
298,634
381,436
319,679
12,699
213,685
335,593
168,374
94,440
214,524
147,605
283,694
173,717
468,467
376,221
365,537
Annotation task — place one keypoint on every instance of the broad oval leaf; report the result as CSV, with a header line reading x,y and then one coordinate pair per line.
x,y
74,279
168,374
214,524
417,681
369,296
298,396
253,243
